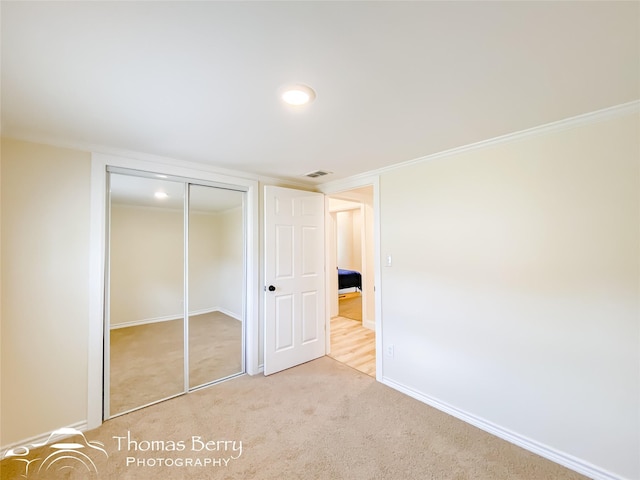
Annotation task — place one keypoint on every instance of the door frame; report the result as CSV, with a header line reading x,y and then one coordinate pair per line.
x,y
336,188
97,241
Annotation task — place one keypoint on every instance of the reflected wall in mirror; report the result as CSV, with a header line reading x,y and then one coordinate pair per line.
x,y
216,283
146,291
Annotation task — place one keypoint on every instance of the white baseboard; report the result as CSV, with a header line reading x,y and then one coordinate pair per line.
x,y
176,316
559,457
81,426
370,324
229,313
145,321
202,311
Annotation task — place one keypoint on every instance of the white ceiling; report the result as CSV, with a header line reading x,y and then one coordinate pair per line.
x,y
394,80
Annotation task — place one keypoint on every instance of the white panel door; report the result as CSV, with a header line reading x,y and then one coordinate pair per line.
x,y
294,278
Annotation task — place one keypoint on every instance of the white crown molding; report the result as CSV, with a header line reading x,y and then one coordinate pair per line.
x,y
560,125
348,182
157,159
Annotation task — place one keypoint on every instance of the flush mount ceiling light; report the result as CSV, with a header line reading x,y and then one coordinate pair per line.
x,y
297,95
160,195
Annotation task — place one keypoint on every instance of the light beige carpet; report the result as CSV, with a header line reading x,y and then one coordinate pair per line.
x,y
215,347
147,361
321,420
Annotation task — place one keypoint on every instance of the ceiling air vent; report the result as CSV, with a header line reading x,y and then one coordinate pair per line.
x,y
317,173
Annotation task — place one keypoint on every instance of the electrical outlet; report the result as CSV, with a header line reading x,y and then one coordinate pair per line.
x,y
390,351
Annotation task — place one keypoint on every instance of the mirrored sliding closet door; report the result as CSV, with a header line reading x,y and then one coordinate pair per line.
x,y
216,280
174,315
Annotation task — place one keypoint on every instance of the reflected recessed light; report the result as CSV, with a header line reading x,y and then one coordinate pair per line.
x,y
297,95
160,195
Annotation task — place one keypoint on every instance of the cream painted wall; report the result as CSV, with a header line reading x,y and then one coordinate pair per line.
x,y
147,258
44,296
231,262
513,294
349,240
147,263
205,232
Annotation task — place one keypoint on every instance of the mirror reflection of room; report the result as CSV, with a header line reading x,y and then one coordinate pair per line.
x,y
146,302
149,359
216,280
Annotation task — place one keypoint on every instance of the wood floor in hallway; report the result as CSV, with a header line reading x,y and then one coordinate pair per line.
x,y
353,345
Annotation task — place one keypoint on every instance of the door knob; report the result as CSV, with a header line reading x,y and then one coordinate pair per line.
x,y
272,288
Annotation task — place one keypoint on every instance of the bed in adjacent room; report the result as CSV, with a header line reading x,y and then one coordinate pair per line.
x,y
349,279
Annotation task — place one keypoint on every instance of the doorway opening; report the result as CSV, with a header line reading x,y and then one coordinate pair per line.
x,y
352,300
